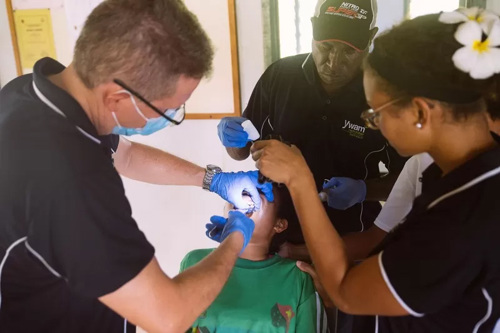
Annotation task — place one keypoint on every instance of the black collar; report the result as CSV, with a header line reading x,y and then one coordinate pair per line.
x,y
60,98
434,185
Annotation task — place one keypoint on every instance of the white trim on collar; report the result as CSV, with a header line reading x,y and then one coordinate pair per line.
x,y
473,182
58,111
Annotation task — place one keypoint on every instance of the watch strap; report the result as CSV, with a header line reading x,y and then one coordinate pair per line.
x,y
210,171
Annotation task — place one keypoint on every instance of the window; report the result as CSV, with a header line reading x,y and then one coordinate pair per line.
x,y
291,28
295,26
423,7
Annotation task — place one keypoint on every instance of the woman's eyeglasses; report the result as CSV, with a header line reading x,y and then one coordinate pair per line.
x,y
175,116
371,117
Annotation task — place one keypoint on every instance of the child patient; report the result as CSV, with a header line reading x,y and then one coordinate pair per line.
x,y
265,293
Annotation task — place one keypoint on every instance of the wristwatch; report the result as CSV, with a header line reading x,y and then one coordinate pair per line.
x,y
210,171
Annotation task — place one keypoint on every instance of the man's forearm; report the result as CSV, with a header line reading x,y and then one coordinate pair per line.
x,y
295,252
151,165
239,154
157,303
378,189
358,245
199,285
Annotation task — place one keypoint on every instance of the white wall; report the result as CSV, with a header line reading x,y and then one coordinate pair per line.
x,y
493,5
250,45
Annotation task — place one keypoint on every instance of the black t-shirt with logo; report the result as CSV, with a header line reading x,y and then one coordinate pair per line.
x,y
67,235
289,101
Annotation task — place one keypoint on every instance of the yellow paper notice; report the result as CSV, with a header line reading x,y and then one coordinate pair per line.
x,y
35,36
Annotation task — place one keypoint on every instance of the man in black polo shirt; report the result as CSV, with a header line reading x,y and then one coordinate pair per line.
x,y
314,101
72,258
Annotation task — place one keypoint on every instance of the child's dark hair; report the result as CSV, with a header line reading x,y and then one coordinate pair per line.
x,y
415,59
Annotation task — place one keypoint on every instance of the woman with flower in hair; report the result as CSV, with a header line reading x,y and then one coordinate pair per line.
x,y
430,82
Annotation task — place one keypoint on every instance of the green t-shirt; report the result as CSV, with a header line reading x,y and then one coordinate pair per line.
x,y
273,295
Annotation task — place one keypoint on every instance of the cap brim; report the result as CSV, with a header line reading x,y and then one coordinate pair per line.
x,y
340,41
332,31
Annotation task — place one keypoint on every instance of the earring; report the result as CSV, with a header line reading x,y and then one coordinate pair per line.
x,y
419,125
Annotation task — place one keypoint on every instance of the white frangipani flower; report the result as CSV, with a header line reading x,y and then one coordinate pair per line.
x,y
479,57
483,17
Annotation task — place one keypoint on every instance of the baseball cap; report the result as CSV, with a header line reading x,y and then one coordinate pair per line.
x,y
349,22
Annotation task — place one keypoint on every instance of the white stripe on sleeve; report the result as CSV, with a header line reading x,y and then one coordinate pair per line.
x,y
393,291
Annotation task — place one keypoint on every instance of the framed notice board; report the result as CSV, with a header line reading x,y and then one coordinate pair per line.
x,y
219,96
50,27
10,15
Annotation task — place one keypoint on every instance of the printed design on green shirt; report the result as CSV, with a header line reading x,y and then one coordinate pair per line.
x,y
200,329
281,315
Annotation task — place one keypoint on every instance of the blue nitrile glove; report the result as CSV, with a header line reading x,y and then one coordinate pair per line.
x,y
266,188
230,186
344,192
231,133
215,227
219,227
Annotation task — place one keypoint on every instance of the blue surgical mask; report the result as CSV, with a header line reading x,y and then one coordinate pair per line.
x,y
152,124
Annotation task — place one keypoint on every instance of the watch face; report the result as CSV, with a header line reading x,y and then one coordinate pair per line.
x,y
212,167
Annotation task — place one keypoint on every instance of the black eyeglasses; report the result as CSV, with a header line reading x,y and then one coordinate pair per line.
x,y
176,115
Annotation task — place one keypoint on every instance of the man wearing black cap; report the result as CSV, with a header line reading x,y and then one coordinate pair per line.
x,y
314,101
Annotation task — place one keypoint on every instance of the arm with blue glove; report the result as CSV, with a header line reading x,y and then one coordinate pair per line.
x,y
237,134
220,228
151,165
343,193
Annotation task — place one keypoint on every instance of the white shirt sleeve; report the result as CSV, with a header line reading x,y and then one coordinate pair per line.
x,y
407,187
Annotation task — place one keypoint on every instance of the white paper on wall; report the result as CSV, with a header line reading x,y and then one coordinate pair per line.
x,y
214,95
